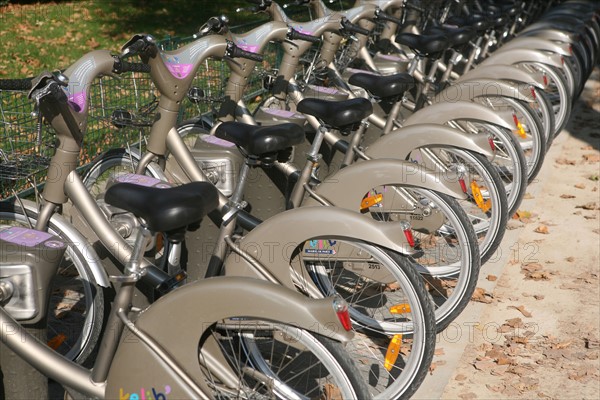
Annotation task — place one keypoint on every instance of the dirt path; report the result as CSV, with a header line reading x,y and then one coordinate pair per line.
x,y
534,332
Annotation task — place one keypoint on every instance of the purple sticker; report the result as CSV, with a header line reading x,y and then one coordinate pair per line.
x,y
252,48
324,89
54,244
78,101
302,30
281,113
24,236
359,71
179,71
217,141
389,57
142,180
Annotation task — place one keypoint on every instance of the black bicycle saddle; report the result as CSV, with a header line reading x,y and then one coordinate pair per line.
x,y
165,210
384,87
261,141
342,115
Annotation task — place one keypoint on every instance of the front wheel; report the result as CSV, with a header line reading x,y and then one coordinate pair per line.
x,y
76,307
486,203
389,306
276,360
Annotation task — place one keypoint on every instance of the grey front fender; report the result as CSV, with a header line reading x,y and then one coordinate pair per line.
x,y
347,187
520,55
401,142
188,312
274,242
444,112
504,72
468,90
531,42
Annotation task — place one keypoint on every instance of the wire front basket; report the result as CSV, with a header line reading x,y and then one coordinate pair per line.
x,y
25,148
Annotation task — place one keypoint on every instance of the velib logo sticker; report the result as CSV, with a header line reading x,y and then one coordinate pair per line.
x,y
144,394
320,247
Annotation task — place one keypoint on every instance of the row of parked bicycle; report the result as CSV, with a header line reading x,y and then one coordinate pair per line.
x,y
344,220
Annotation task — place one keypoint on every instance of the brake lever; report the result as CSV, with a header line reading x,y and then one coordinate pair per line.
x,y
138,44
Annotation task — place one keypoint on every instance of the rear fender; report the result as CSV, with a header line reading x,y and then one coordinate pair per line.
x,y
531,42
468,90
519,55
78,241
550,34
320,230
503,72
400,143
194,308
445,111
342,188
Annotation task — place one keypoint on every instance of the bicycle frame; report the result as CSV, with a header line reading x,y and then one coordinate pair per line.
x,y
116,369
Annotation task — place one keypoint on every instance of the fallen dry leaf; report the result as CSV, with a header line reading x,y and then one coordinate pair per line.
x,y
531,267
505,361
460,377
332,392
439,352
542,229
565,161
432,368
492,278
589,206
515,322
528,196
538,296
481,296
522,310
570,259
591,158
567,196
467,396
580,186
563,345
484,365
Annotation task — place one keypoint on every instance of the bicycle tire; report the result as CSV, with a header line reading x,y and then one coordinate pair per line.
x,y
534,143
490,221
375,333
74,284
509,160
280,353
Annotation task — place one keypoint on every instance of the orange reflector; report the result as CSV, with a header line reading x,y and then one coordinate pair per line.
x,y
520,131
56,341
400,308
371,201
481,203
392,351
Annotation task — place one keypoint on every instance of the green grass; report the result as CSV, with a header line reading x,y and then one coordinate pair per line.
x,y
49,35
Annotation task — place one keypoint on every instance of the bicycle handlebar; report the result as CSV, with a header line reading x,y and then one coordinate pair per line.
x,y
353,28
16,84
295,35
380,15
235,52
121,66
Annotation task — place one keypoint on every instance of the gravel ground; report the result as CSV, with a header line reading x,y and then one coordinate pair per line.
x,y
533,328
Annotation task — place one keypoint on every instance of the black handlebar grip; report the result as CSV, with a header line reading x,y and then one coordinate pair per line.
x,y
239,53
386,17
353,28
134,67
15,84
295,35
